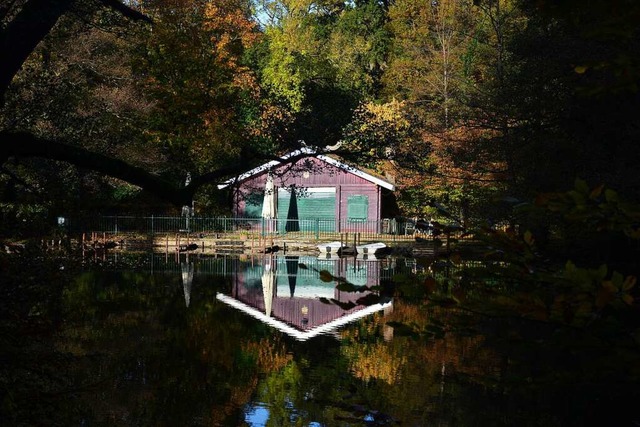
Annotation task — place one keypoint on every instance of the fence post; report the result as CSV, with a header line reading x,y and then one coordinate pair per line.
x,y
152,226
317,228
116,228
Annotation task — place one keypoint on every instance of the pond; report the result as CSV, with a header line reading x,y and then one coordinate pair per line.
x,y
158,339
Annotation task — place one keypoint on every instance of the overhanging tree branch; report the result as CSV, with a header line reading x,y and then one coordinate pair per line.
x,y
21,36
30,26
23,144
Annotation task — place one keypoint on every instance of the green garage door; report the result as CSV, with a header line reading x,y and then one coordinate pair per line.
x,y
307,210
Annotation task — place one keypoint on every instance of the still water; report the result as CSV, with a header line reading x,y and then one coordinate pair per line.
x,y
155,339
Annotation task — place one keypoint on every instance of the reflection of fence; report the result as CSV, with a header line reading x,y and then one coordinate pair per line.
x,y
303,228
252,268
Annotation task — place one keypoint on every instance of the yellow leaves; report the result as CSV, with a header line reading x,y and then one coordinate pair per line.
x,y
378,360
616,287
528,238
581,69
270,355
390,115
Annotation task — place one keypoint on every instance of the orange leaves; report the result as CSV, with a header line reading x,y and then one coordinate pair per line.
x,y
231,31
454,162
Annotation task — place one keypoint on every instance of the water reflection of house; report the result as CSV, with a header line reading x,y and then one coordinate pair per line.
x,y
287,293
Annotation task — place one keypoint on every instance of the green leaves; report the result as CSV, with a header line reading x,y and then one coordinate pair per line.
x,y
596,288
327,277
599,208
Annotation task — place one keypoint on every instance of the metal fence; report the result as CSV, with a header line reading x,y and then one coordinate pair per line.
x,y
303,228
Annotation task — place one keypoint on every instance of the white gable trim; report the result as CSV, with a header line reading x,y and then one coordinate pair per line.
x,y
262,168
297,334
382,183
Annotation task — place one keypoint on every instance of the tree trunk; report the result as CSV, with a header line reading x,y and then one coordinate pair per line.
x,y
31,25
21,36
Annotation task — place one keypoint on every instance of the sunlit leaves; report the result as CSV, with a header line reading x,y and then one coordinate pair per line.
x,y
295,54
193,65
381,131
376,361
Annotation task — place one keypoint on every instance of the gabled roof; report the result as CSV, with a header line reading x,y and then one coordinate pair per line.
x,y
296,333
306,150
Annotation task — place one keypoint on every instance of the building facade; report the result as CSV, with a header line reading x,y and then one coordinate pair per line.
x,y
316,192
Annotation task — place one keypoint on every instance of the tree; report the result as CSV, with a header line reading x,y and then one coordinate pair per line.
x,y
435,68
24,29
192,67
427,68
25,25
322,59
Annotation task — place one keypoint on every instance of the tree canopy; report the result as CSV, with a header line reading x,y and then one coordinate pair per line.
x,y
463,102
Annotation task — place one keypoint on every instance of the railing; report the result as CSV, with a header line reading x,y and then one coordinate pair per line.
x,y
309,229
252,268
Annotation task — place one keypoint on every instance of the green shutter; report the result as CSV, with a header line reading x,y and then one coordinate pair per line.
x,y
357,208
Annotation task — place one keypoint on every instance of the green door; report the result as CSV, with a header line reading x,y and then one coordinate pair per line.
x,y
308,210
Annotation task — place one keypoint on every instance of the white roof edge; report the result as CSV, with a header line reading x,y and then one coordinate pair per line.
x,y
289,330
306,150
358,172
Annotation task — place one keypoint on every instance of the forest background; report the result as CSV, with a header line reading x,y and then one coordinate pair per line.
x,y
478,106
502,111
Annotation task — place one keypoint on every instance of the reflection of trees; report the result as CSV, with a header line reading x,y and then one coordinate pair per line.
x,y
281,390
372,359
270,354
129,352
387,361
419,375
375,360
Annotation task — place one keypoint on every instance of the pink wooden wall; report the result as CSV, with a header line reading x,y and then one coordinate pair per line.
x,y
317,313
313,172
